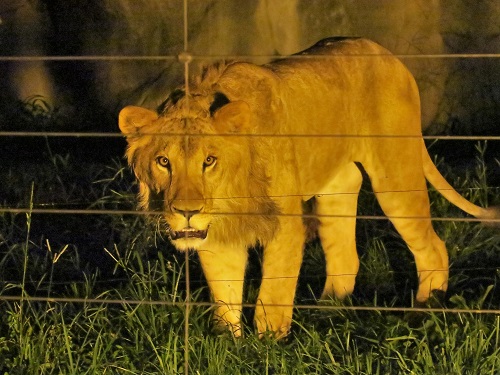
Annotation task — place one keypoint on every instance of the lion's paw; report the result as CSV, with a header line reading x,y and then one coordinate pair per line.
x,y
273,321
226,319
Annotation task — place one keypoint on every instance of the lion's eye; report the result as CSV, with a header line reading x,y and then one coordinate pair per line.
x,y
210,160
162,161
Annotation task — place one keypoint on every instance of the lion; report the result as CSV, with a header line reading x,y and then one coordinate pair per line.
x,y
229,161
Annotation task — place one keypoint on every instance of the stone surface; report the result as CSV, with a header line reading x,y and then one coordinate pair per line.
x,y
452,89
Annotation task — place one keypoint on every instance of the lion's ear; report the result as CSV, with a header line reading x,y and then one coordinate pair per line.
x,y
233,117
132,119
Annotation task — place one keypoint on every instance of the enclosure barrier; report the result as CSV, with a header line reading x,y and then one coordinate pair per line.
x,y
185,58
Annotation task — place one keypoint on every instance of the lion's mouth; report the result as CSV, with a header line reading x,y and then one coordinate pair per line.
x,y
187,233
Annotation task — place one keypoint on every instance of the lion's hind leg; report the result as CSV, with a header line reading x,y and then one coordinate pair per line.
x,y
404,199
336,211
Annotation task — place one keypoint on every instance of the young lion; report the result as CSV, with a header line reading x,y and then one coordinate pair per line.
x,y
229,164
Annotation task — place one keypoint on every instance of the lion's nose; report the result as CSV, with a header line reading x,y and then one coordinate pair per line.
x,y
188,214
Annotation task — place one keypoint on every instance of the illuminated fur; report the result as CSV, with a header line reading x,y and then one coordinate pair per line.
x,y
230,164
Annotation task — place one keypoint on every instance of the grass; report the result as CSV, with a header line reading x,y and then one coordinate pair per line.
x,y
115,291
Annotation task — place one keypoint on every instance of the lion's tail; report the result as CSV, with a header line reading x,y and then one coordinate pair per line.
x,y
489,216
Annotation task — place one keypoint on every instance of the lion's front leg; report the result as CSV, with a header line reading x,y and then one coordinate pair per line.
x,y
224,269
280,271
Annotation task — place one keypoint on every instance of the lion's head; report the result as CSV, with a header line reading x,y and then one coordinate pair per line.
x,y
195,165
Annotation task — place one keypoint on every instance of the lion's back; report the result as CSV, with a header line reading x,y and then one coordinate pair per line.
x,y
340,82
344,45
337,86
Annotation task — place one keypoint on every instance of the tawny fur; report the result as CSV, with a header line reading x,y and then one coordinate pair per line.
x,y
231,177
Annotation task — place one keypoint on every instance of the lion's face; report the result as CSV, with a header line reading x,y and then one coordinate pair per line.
x,y
194,167
183,186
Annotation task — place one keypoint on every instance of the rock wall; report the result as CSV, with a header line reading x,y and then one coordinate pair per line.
x,y
453,90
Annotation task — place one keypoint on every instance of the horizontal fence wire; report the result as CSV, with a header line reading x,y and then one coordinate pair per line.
x,y
14,283
186,58
245,305
47,211
229,135
189,57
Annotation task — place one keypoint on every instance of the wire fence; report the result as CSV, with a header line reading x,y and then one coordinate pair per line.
x,y
186,58
247,305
